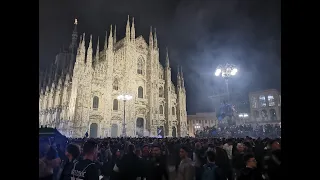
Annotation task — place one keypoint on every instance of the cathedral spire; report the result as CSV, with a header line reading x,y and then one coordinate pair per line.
x,y
115,35
110,43
167,58
81,49
97,51
178,78
128,30
182,78
133,31
155,39
106,41
73,45
150,38
90,42
89,53
83,42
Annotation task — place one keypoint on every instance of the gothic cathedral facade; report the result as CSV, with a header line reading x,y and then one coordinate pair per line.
x,y
79,92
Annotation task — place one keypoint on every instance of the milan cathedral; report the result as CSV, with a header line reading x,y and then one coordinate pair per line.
x,y
78,93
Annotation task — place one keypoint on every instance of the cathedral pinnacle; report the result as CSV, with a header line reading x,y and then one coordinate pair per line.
x,y
167,58
73,45
83,42
97,52
150,38
110,42
178,78
90,42
115,34
133,31
155,39
106,41
128,29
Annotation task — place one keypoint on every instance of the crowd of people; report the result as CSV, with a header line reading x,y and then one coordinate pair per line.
x,y
161,158
240,131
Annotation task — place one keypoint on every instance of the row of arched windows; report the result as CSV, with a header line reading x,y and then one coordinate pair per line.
x,y
263,115
140,89
116,103
161,110
95,104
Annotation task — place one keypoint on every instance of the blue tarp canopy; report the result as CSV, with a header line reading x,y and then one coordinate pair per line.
x,y
53,135
49,132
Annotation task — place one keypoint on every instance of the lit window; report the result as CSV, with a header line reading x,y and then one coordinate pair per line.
x,y
262,100
271,100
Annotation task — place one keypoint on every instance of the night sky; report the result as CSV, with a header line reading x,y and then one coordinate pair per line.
x,y
200,35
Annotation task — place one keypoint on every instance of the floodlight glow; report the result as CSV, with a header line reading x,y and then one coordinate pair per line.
x,y
217,73
125,97
243,115
234,71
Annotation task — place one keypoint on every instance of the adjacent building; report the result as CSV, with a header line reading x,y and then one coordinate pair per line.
x,y
265,107
199,121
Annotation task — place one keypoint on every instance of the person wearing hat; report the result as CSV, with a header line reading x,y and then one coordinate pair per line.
x,y
50,161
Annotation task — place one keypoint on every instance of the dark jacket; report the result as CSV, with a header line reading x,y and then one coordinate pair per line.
x,y
219,173
86,170
223,162
238,161
146,162
110,172
250,174
129,167
158,169
272,165
66,170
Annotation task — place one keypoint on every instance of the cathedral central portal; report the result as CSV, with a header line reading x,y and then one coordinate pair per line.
x,y
93,130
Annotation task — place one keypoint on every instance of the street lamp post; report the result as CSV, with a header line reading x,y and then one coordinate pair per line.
x,y
124,98
226,71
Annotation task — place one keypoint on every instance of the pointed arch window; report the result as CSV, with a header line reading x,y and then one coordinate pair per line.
x,y
116,84
140,66
161,109
115,105
95,104
140,92
173,111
